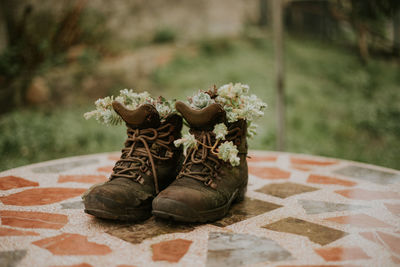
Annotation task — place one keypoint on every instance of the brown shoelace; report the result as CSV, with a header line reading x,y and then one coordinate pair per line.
x,y
202,162
137,158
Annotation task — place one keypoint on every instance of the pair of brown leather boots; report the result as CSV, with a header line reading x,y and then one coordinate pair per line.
x,y
154,177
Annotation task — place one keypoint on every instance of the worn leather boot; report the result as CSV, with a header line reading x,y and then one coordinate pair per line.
x,y
206,186
148,164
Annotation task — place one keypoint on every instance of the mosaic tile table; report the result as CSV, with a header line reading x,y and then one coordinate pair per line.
x,y
299,211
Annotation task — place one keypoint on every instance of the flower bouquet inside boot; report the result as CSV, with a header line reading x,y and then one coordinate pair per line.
x,y
214,173
149,160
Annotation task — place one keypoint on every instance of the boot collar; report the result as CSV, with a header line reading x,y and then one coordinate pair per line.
x,y
145,116
204,118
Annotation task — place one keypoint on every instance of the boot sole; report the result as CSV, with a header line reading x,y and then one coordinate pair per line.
x,y
196,216
95,206
137,216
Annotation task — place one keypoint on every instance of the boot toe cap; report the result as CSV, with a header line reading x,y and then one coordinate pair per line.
x,y
173,209
113,202
185,205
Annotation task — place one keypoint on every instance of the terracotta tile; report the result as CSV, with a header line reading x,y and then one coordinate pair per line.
x,y
234,249
396,260
322,179
107,169
341,253
393,208
371,236
72,244
388,241
300,167
254,159
284,190
269,172
137,232
82,178
359,220
305,161
41,196
362,194
9,182
84,264
172,250
320,234
31,219
245,210
13,232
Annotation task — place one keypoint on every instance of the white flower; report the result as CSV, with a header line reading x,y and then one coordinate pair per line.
x,y
90,114
133,100
104,102
239,105
231,114
120,99
252,107
232,91
163,109
251,129
220,130
227,151
105,114
201,100
187,140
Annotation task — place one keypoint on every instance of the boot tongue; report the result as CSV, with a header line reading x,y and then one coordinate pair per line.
x,y
145,116
203,119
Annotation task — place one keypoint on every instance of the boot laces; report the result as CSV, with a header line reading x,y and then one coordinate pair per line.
x,y
202,162
141,148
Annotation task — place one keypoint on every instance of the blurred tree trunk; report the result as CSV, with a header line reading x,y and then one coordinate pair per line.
x,y
362,36
396,33
3,31
277,10
9,10
265,14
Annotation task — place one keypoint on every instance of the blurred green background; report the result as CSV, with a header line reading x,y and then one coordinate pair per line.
x,y
341,60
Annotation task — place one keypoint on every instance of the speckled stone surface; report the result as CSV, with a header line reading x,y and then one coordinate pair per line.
x,y
299,210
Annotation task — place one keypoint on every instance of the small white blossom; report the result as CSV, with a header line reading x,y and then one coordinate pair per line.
x,y
232,91
251,130
239,105
104,102
120,99
163,110
231,115
90,114
220,130
105,114
227,151
187,140
201,100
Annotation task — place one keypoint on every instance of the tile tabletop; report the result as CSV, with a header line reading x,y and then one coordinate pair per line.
x,y
300,210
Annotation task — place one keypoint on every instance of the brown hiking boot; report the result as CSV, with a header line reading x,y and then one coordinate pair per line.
x,y
206,185
148,164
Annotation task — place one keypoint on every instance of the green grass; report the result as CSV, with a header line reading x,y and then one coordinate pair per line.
x,y
336,106
34,136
